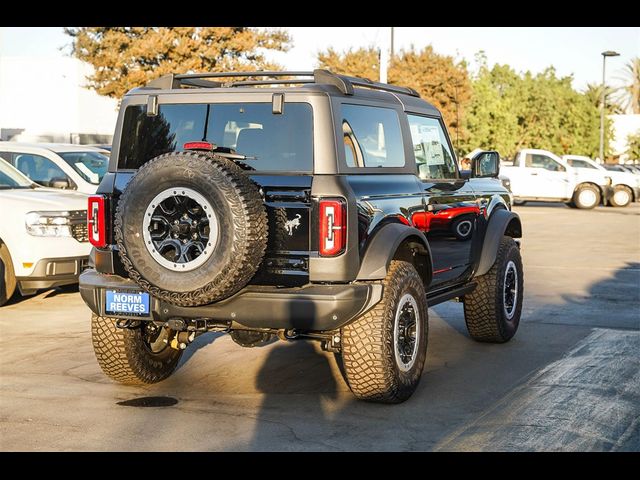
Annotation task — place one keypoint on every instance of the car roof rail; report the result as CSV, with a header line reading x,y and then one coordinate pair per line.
x,y
344,83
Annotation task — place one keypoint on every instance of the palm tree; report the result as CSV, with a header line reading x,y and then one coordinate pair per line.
x,y
594,93
628,95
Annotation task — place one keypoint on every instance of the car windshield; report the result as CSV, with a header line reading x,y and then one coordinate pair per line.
x,y
12,178
91,166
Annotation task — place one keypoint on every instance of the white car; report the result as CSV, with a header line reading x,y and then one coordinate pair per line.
x,y
542,176
626,185
69,167
43,235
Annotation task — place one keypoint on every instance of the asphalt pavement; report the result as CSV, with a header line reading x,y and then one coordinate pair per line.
x,y
569,380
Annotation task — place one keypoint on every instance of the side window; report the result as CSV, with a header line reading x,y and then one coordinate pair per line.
x,y
431,149
372,137
39,169
536,160
5,156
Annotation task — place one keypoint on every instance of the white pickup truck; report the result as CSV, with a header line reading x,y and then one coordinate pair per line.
x,y
626,185
542,176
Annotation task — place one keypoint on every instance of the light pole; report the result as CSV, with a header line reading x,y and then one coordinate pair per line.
x,y
608,53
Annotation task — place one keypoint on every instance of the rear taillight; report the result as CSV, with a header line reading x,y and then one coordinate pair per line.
x,y
333,227
96,221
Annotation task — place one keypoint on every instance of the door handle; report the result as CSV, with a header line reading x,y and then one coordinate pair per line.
x,y
534,173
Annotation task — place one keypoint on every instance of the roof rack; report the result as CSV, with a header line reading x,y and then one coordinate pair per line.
x,y
344,83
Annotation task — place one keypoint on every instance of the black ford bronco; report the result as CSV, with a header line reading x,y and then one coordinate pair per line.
x,y
298,205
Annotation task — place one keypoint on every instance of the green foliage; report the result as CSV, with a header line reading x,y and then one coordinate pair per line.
x,y
629,93
633,149
128,57
509,111
438,78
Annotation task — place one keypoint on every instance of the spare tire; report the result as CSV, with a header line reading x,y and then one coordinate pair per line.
x,y
191,228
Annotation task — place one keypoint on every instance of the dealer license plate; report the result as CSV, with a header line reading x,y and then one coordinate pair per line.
x,y
127,303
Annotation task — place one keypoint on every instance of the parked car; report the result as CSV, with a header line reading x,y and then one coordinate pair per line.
x,y
542,176
68,167
626,185
616,167
332,211
43,235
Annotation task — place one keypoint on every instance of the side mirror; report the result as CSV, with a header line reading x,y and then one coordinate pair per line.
x,y
485,164
62,183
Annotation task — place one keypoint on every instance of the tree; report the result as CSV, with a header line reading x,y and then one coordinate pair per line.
x,y
362,62
633,146
629,93
594,93
439,79
509,111
128,57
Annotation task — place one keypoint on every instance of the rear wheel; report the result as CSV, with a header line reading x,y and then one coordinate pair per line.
x,y
7,275
621,197
384,350
133,356
585,197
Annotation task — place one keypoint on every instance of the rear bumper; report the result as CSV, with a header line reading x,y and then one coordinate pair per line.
x,y
52,272
308,308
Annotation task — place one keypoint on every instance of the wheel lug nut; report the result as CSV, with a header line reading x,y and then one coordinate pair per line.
x,y
184,240
175,222
194,236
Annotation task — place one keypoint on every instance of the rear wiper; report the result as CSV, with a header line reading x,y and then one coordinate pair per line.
x,y
231,154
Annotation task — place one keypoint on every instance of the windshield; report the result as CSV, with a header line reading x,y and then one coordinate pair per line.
x,y
274,142
12,178
91,166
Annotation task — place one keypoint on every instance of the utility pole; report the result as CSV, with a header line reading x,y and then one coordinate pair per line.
x,y
608,53
392,44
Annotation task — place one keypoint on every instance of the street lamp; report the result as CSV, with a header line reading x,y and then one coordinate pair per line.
x,y
608,53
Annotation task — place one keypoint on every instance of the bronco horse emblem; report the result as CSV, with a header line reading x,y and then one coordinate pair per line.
x,y
291,225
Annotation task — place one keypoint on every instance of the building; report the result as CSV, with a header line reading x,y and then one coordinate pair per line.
x,y
44,99
623,126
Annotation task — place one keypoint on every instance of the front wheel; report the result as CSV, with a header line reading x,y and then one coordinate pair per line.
x,y
7,276
133,356
492,311
384,350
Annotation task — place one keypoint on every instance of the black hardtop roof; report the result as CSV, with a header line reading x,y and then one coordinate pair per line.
x,y
321,81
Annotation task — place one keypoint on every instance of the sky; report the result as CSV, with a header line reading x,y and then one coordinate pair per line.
x,y
571,50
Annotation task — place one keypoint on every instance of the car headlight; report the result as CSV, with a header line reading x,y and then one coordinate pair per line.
x,y
48,224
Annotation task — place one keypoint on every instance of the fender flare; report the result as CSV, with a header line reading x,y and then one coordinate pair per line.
x,y
501,221
383,247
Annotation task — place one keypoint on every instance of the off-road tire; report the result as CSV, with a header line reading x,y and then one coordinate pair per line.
x,y
124,357
242,233
577,203
368,350
619,189
484,311
7,275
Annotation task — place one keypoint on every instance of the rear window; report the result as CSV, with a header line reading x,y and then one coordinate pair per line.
x,y
279,142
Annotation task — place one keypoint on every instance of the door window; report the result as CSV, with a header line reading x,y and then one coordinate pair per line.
x,y
535,160
431,148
